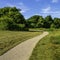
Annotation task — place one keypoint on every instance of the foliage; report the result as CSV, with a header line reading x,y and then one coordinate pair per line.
x,y
40,22
57,22
11,18
9,39
48,21
37,21
33,21
48,48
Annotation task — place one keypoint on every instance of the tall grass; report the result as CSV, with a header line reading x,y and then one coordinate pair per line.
x,y
9,39
48,48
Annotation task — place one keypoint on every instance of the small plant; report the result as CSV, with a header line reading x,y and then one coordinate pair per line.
x,y
55,39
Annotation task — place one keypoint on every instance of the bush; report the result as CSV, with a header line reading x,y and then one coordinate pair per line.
x,y
12,19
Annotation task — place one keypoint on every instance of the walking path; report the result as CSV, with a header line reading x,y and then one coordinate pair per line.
x,y
24,50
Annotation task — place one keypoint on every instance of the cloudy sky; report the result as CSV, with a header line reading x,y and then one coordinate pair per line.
x,y
35,7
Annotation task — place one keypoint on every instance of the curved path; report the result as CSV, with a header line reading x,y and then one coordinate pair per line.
x,y
24,50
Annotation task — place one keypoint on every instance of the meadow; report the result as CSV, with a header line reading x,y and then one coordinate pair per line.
x,y
9,39
18,27
48,48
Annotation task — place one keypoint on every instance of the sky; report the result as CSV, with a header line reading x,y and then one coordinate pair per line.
x,y
34,7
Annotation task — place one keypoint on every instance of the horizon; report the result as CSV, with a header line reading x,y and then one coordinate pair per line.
x,y
34,7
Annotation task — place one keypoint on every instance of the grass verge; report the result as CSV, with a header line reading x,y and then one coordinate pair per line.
x,y
48,48
9,39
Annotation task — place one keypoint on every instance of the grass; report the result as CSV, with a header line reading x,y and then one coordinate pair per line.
x,y
9,39
44,29
48,48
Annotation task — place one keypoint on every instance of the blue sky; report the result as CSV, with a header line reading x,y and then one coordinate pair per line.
x,y
35,7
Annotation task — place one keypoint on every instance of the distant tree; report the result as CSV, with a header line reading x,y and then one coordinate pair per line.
x,y
32,21
40,22
52,25
37,21
12,19
57,22
48,21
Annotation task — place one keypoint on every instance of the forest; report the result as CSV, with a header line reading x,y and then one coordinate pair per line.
x,y
11,18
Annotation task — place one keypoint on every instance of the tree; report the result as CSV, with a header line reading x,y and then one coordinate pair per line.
x,y
12,19
32,21
48,21
40,22
57,22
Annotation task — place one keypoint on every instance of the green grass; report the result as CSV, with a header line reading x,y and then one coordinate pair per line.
x,y
9,39
43,29
48,48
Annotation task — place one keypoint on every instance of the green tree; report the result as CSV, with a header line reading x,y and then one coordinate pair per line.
x,y
57,22
40,22
48,21
12,19
32,21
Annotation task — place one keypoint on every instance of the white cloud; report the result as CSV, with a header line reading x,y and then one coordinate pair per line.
x,y
48,10
20,5
23,7
54,1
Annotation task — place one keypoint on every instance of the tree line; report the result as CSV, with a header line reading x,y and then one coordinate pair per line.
x,y
12,19
37,21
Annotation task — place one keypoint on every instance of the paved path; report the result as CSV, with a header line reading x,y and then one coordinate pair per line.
x,y
24,50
